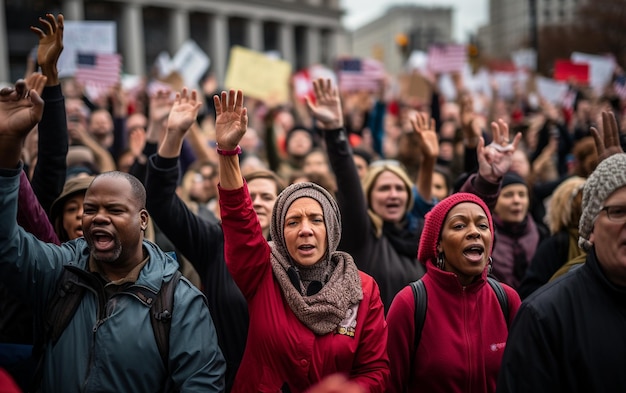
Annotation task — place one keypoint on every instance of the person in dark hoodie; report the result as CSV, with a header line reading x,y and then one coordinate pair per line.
x,y
201,241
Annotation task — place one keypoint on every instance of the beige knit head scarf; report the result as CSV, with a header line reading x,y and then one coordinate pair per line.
x,y
341,289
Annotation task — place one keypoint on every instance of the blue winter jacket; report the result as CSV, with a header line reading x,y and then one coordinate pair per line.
x,y
108,346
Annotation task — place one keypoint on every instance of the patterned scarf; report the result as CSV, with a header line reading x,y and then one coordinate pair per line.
x,y
321,295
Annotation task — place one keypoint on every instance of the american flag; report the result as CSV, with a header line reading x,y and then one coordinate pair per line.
x,y
447,58
620,87
98,71
360,74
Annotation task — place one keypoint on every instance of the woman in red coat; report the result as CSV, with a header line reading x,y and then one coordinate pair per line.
x,y
312,312
465,330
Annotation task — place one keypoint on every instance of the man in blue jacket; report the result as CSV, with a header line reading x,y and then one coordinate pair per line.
x,y
108,345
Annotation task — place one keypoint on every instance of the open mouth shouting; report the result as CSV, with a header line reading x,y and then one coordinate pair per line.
x,y
474,253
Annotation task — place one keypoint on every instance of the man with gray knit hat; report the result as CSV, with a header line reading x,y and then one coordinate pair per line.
x,y
569,335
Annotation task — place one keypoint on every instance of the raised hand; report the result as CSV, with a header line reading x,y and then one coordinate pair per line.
x,y
495,159
20,110
427,139
50,45
607,140
184,112
327,107
36,81
231,121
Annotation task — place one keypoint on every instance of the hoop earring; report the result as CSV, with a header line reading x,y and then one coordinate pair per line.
x,y
441,263
489,266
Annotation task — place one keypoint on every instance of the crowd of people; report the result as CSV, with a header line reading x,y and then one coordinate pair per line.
x,y
348,242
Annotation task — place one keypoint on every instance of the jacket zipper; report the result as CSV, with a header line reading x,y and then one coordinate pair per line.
x,y
101,317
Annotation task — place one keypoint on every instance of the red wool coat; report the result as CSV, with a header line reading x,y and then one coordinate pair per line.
x,y
280,349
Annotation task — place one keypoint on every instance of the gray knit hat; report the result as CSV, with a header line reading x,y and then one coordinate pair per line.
x,y
332,216
608,176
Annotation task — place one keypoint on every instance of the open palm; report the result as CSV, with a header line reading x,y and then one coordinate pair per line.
x,y
327,107
184,111
231,119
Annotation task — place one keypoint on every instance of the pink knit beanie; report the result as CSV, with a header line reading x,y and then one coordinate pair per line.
x,y
435,218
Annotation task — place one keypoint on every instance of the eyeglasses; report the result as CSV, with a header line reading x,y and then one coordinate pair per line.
x,y
615,213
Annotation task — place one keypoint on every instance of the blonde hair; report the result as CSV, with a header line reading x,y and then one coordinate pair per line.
x,y
375,170
565,205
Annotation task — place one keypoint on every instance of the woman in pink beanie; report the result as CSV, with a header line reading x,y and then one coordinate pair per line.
x,y
465,329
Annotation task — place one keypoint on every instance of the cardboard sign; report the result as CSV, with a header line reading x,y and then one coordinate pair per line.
x,y
258,75
415,88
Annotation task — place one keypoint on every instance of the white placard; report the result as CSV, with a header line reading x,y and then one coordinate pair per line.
x,y
86,37
600,69
191,63
551,90
525,59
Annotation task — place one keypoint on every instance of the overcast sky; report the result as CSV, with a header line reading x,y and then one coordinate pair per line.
x,y
467,15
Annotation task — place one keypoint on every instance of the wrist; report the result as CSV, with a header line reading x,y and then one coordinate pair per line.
x,y
331,126
229,152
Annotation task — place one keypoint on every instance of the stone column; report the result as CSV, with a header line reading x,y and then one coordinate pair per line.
x,y
219,39
5,69
73,10
333,38
133,44
287,47
313,40
255,34
179,29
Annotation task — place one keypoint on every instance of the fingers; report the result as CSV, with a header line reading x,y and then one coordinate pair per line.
x,y
217,104
60,21
597,138
244,119
309,105
323,88
21,88
223,103
317,89
48,26
238,100
35,98
517,140
609,129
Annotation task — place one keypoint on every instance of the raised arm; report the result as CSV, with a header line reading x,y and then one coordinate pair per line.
x,y
328,114
181,225
49,175
428,143
231,123
30,214
494,161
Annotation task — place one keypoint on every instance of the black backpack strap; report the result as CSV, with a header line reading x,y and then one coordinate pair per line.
x,y
502,297
58,313
421,301
161,316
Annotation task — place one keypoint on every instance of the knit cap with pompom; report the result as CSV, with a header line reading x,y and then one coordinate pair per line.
x,y
434,222
609,175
